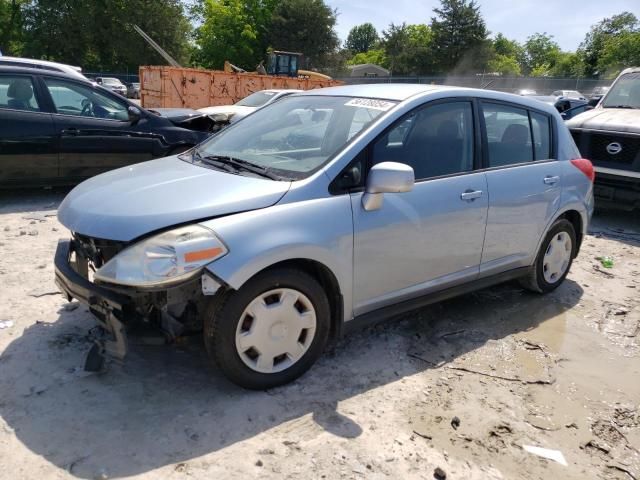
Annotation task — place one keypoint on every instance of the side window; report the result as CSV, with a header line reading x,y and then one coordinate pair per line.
x,y
508,135
74,99
541,125
16,92
435,140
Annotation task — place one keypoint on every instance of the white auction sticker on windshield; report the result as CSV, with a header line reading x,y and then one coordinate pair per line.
x,y
371,103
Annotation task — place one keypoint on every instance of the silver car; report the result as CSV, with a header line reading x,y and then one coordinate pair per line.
x,y
325,211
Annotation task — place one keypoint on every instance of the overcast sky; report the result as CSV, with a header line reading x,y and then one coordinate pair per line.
x,y
567,20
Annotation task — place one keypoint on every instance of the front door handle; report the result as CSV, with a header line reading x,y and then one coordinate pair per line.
x,y
551,180
471,195
70,131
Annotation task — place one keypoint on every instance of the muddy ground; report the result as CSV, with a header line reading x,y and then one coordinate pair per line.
x,y
560,372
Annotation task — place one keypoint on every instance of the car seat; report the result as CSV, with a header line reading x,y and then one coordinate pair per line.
x,y
19,94
514,147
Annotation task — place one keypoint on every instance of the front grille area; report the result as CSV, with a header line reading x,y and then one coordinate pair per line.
x,y
594,145
96,250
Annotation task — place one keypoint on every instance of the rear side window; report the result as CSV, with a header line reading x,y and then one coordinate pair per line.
x,y
541,125
16,93
508,135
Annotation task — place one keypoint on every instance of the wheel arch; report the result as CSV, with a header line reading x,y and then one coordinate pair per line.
x,y
576,220
324,275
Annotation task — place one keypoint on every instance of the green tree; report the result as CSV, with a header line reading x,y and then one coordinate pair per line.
x,y
408,49
234,30
541,54
376,56
618,52
362,38
509,48
505,65
306,26
11,23
394,41
459,36
593,46
99,34
568,64
420,55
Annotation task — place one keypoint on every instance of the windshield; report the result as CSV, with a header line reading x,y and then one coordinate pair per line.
x,y
625,93
111,81
256,99
296,135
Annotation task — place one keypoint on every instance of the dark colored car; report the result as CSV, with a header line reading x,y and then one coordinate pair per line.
x,y
574,111
562,104
56,129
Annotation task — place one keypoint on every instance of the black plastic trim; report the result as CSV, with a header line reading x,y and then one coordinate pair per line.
x,y
388,312
74,285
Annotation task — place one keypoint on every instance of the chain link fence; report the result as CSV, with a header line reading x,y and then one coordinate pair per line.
x,y
123,77
541,85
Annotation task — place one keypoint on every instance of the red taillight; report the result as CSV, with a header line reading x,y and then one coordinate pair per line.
x,y
585,166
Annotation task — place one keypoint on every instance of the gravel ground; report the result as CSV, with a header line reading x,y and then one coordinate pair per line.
x,y
461,386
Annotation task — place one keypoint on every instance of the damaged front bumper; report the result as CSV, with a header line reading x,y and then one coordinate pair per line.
x,y
160,314
109,307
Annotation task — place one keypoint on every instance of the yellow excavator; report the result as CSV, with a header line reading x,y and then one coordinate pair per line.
x,y
280,63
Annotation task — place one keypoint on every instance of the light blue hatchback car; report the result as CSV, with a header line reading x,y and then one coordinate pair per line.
x,y
327,210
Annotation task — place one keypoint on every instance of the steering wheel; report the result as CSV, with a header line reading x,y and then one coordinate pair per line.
x,y
87,110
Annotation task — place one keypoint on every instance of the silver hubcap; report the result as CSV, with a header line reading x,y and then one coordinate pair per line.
x,y
557,257
275,330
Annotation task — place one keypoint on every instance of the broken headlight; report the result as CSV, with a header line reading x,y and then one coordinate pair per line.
x,y
165,258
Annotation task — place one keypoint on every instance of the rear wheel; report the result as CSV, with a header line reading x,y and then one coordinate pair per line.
x,y
270,331
554,258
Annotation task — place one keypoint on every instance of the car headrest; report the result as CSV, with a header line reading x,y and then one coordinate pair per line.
x,y
515,134
20,89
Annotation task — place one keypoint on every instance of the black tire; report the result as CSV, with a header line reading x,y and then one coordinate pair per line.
x,y
225,311
535,281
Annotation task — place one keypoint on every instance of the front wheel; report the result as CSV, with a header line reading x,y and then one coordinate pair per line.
x,y
270,331
554,258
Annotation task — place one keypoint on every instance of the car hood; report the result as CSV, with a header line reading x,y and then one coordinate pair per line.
x,y
237,111
177,115
610,119
129,202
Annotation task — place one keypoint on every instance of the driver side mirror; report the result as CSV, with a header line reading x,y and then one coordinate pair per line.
x,y
134,115
386,177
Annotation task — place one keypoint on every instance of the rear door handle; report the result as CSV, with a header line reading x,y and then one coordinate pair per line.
x,y
551,180
70,131
470,195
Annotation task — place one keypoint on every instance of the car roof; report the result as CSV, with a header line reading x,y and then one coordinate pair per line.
x,y
383,91
404,91
40,71
281,90
70,69
630,70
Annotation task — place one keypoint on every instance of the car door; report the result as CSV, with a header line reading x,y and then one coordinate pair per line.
x,y
28,147
524,184
431,237
94,131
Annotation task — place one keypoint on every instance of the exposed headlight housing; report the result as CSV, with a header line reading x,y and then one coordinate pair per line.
x,y
167,258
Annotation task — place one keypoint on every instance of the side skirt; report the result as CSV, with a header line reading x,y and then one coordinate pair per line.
x,y
391,311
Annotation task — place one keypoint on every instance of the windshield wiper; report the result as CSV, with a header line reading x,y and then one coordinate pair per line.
x,y
240,164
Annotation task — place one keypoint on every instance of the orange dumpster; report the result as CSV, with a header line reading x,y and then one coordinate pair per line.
x,y
166,87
